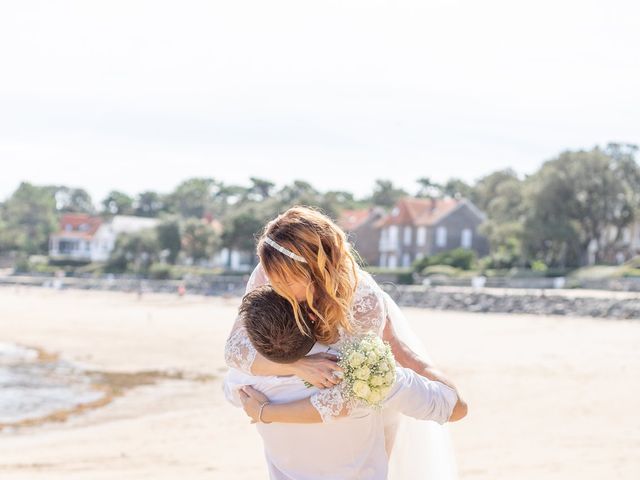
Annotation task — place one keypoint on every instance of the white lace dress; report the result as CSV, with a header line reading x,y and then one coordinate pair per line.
x,y
421,449
367,314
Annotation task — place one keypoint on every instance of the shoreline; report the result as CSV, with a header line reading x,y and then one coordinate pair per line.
x,y
548,302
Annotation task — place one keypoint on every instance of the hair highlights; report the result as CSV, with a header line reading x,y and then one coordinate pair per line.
x,y
330,271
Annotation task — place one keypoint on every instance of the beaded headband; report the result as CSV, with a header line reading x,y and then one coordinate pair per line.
x,y
283,250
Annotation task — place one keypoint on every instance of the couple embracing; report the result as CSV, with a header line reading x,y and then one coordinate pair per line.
x,y
306,300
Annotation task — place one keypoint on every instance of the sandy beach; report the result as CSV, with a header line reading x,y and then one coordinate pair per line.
x,y
550,397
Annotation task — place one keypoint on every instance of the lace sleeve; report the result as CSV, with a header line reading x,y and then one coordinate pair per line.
x,y
331,402
238,351
368,314
368,310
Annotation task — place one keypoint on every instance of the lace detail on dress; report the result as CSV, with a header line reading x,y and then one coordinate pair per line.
x,y
330,403
368,314
238,351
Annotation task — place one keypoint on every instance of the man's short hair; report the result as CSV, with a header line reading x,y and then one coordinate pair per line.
x,y
272,328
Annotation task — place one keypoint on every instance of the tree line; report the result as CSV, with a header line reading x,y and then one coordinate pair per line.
x,y
578,199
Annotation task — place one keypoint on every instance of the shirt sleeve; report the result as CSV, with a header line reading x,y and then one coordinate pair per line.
x,y
233,381
421,398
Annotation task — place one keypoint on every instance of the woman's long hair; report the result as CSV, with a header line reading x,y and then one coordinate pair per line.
x,y
330,271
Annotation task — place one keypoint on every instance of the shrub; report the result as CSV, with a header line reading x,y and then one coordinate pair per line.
x,y
460,258
446,270
160,271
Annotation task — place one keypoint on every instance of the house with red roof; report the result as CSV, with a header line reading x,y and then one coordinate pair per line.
x,y
363,232
86,238
418,227
74,237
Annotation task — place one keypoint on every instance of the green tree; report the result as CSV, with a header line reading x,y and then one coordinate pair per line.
x,y
29,217
134,252
193,197
117,203
199,240
429,188
72,200
457,188
241,229
500,196
149,204
580,199
169,239
260,189
385,194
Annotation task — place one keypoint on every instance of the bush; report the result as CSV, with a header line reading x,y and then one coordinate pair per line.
x,y
445,270
539,266
22,263
460,258
160,271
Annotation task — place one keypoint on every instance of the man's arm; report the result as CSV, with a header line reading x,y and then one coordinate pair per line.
x,y
421,398
411,360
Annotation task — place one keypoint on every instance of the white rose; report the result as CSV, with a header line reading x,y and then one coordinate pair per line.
x,y
390,377
372,358
374,397
377,381
361,389
355,359
362,373
384,366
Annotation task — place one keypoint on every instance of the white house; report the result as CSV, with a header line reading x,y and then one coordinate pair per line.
x,y
85,238
74,238
105,238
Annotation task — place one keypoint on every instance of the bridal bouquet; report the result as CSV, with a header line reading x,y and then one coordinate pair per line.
x,y
369,369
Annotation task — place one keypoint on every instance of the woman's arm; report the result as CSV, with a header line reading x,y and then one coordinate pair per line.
x,y
409,359
239,353
317,369
300,411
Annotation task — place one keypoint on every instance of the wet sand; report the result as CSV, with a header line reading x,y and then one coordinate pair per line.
x,y
550,397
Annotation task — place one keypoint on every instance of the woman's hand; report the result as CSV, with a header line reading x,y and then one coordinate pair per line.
x,y
252,400
320,370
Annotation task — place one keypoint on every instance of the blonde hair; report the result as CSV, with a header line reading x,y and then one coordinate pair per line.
x,y
330,271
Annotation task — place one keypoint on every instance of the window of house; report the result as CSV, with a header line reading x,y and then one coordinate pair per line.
x,y
466,238
406,260
441,236
383,260
407,235
393,236
421,238
392,261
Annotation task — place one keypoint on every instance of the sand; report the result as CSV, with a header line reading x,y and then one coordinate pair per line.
x,y
550,397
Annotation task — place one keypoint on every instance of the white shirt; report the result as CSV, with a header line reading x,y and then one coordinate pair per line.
x,y
348,448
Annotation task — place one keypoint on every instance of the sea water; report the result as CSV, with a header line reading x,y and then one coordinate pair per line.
x,y
31,388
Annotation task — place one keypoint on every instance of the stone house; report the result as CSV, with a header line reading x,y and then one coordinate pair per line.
x,y
418,227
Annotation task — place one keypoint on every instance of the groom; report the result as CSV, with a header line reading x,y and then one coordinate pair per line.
x,y
350,447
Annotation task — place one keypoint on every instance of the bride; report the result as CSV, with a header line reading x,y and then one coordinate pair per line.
x,y
306,258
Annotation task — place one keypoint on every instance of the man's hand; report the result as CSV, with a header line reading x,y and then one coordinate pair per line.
x,y
318,369
252,400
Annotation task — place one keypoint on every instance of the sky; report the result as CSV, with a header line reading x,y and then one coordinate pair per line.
x,y
137,95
